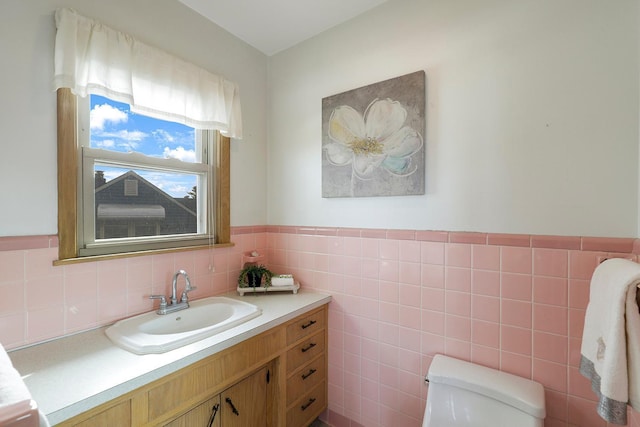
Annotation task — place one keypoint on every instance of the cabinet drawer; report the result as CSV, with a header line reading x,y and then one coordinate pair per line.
x,y
306,378
305,410
304,351
306,326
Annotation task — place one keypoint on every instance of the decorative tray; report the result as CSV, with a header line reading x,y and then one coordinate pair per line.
x,y
249,290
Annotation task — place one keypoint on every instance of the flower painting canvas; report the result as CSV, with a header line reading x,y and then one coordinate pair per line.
x,y
372,139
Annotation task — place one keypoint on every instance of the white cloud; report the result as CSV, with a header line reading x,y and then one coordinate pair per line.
x,y
106,143
133,135
101,114
180,153
110,174
177,190
163,135
129,140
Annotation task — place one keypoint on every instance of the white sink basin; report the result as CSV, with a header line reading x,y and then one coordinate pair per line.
x,y
154,333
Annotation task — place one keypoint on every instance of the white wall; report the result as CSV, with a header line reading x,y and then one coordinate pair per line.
x,y
28,189
532,112
532,116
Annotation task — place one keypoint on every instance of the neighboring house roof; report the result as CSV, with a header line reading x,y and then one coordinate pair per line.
x,y
132,174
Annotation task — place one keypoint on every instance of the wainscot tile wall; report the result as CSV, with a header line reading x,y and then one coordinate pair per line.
x,y
512,302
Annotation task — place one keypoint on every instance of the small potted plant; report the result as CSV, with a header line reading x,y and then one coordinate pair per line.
x,y
254,276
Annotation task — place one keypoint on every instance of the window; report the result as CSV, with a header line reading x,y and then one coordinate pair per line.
x,y
139,183
112,201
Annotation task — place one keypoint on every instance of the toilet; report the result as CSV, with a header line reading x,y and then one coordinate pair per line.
x,y
462,394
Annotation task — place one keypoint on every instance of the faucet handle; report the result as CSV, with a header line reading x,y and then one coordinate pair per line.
x,y
162,298
187,289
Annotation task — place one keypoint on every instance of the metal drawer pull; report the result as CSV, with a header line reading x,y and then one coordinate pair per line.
x,y
308,374
214,411
306,325
233,408
309,403
309,347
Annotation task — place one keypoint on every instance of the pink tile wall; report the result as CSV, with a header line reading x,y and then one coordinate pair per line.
x,y
39,301
511,302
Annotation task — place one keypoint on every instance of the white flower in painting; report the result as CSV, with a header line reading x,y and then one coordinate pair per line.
x,y
379,139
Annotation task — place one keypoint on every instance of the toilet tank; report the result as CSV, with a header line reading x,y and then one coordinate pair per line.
x,y
462,394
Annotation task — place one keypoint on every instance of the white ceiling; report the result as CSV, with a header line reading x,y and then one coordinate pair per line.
x,y
274,25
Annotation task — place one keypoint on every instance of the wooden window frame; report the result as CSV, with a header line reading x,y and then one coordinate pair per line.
x,y
67,117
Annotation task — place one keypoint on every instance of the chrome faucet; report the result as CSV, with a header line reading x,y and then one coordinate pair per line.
x,y
173,299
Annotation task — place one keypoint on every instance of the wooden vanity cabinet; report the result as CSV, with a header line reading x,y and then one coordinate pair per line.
x,y
275,379
206,414
245,404
116,415
306,359
241,405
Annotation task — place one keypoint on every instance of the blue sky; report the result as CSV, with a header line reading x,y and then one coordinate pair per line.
x,y
115,127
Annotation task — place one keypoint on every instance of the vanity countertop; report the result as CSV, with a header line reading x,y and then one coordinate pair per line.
x,y
70,375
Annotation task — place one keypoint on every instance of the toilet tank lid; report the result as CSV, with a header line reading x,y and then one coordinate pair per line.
x,y
521,393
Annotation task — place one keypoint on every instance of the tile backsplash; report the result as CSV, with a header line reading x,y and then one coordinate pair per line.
x,y
511,302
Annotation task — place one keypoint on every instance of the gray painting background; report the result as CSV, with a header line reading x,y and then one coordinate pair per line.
x,y
409,90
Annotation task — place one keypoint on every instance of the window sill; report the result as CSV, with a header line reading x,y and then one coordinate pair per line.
x,y
94,258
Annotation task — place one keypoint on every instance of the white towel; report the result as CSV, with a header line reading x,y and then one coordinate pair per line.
x,y
282,280
610,352
17,408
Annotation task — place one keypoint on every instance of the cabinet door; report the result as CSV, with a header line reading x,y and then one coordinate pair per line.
x,y
206,414
245,404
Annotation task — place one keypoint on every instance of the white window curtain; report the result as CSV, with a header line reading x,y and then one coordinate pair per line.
x,y
92,58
